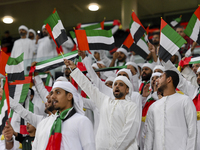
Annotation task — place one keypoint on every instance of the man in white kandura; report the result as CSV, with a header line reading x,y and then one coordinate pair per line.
x,y
69,128
119,118
171,121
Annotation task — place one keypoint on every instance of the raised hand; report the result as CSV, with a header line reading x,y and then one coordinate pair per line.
x,y
146,91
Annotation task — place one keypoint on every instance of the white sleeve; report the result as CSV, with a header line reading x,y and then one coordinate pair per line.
x,y
92,92
130,130
86,135
185,86
41,88
96,80
25,114
191,119
148,131
88,104
135,83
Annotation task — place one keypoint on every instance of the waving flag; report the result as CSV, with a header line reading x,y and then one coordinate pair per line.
x,y
55,26
193,27
176,21
4,107
170,41
15,68
94,39
55,62
3,61
136,28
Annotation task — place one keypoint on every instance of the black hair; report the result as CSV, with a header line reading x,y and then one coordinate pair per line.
x,y
32,91
7,32
173,75
66,92
179,27
156,33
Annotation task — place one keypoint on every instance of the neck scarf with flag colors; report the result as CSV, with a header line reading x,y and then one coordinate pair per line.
x,y
142,86
170,41
55,133
136,28
196,102
193,28
146,108
15,68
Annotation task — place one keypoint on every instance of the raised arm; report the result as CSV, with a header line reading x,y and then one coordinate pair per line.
x,y
96,80
24,113
92,91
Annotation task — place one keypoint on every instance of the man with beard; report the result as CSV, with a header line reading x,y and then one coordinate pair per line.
x,y
195,67
147,70
119,57
119,118
23,45
68,128
156,40
171,121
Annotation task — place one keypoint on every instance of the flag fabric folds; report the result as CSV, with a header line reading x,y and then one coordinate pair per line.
x,y
97,39
15,68
193,28
55,62
176,21
3,61
189,60
170,41
55,27
4,106
136,28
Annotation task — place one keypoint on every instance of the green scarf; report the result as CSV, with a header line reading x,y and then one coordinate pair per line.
x,y
31,106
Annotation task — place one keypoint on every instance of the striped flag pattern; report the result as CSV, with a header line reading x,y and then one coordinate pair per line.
x,y
15,68
170,41
18,90
97,39
176,21
54,62
55,27
4,106
193,27
3,60
189,60
136,28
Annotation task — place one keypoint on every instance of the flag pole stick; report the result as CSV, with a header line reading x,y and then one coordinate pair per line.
x,y
63,60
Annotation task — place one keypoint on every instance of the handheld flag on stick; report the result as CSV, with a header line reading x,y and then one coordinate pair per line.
x,y
170,41
56,30
15,68
193,28
136,28
3,61
176,21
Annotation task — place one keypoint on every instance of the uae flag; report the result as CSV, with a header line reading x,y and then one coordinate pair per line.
x,y
3,61
189,60
97,26
55,62
18,90
55,28
94,39
4,107
192,29
136,28
47,79
170,41
176,21
15,68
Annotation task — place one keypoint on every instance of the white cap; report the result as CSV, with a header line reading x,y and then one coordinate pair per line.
x,y
123,51
23,27
149,65
127,71
159,67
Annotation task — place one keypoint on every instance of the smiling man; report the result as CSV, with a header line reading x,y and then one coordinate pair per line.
x,y
171,121
69,128
119,118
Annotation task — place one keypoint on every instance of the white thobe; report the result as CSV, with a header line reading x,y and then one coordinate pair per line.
x,y
171,124
89,104
77,133
46,49
119,119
